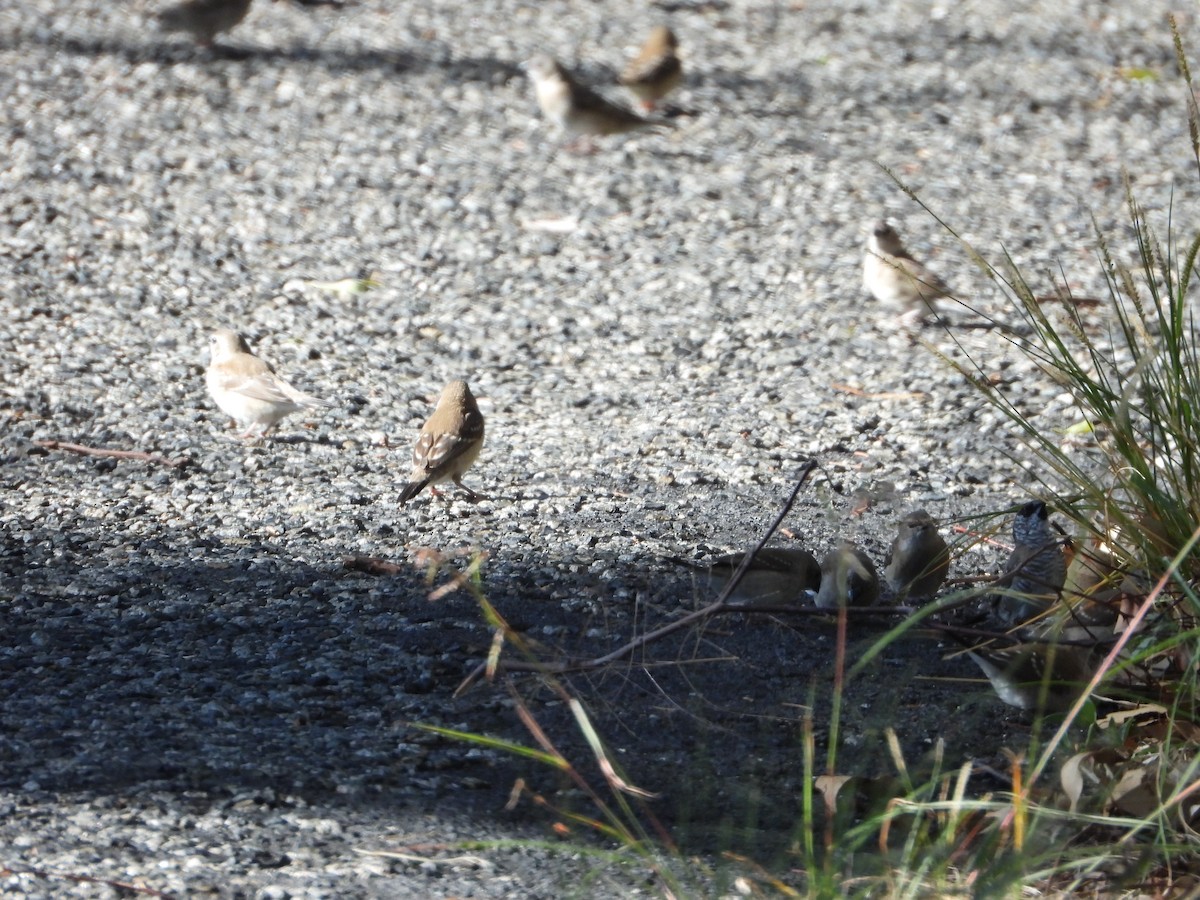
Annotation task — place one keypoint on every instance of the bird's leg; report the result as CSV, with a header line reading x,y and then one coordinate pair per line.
x,y
253,436
471,495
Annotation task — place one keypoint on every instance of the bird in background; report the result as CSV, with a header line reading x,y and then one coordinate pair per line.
x,y
656,70
919,560
575,109
1036,568
896,280
204,19
448,444
848,578
775,575
247,390
1029,676
1096,574
1101,572
1102,576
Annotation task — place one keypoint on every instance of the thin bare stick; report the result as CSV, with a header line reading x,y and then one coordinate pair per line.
x,y
748,559
973,637
114,454
86,879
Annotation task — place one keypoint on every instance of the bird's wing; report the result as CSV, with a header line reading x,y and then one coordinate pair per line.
x,y
652,68
254,379
922,276
436,450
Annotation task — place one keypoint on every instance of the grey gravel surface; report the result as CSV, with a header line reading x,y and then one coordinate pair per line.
x,y
197,698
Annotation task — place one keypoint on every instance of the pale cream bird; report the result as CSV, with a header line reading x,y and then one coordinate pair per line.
x,y
449,443
204,19
576,109
247,390
776,575
896,280
656,70
848,578
919,559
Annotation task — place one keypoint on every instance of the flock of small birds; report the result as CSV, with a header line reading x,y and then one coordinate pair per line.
x,y
1047,668
1037,673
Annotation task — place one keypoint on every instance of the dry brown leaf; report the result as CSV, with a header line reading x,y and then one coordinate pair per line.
x,y
1134,793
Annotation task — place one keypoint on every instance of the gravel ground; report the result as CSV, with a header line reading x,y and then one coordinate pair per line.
x,y
200,700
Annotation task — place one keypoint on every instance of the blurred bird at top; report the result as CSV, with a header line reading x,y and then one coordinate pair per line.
x,y
246,389
656,70
1036,568
344,288
919,559
577,110
848,578
897,280
775,575
204,19
448,444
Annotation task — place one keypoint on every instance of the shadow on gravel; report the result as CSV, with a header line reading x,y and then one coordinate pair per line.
x,y
171,51
247,670
230,667
785,95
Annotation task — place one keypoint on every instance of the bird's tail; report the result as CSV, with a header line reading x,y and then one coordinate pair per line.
x,y
411,490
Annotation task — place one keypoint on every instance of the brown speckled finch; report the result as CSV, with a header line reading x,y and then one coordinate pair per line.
x,y
656,70
848,578
919,560
449,442
897,280
246,389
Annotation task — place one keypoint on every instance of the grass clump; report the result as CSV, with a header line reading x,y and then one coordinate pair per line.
x,y
1127,471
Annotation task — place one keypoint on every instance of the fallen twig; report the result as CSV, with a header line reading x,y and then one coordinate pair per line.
x,y
114,454
87,879
972,637
477,861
